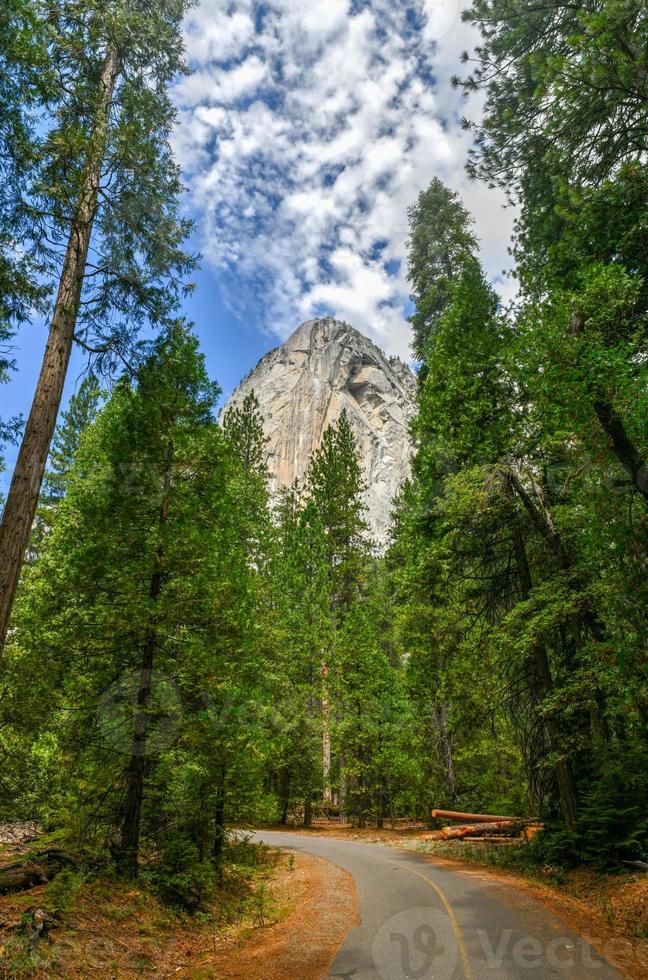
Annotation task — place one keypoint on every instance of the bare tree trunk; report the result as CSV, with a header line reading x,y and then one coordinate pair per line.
x,y
22,501
446,743
343,783
308,811
390,800
130,837
380,817
284,795
326,736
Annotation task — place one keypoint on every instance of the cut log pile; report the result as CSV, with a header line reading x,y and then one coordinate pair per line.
x,y
485,828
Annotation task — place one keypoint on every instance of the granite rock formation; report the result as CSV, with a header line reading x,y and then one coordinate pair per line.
x,y
303,386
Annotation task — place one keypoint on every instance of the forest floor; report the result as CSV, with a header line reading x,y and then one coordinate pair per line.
x,y
286,920
610,910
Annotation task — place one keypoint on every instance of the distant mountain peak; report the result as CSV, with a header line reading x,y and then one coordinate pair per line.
x,y
325,366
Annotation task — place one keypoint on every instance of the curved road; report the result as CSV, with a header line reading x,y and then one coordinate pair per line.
x,y
422,921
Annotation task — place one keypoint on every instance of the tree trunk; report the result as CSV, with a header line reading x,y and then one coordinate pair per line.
x,y
326,736
477,818
623,447
284,795
390,800
343,784
128,853
219,815
130,837
308,812
446,743
476,830
380,818
22,501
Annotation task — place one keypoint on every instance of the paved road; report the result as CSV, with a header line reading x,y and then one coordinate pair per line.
x,y
421,921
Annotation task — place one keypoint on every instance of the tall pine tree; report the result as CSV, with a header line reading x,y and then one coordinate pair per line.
x,y
98,213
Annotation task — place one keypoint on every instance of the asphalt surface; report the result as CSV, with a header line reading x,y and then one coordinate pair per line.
x,y
423,921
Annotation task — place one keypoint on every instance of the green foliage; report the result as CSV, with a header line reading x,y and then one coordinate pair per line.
x,y
181,879
79,415
441,246
62,893
564,111
51,55
186,652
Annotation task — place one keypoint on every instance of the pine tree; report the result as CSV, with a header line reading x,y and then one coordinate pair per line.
x,y
80,414
335,487
441,245
244,428
304,616
104,178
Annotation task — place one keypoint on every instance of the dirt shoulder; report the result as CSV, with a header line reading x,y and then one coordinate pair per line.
x,y
289,923
304,944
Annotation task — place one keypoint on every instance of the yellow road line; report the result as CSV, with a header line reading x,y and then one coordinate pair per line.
x,y
446,904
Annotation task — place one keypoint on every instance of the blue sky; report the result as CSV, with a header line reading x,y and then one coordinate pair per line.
x,y
306,129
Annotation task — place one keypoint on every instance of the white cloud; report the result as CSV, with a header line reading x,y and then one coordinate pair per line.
x,y
306,131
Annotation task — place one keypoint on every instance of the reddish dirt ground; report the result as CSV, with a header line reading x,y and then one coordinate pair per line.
x,y
115,932
303,945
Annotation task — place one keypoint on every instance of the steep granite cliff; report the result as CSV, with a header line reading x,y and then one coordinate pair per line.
x,y
304,385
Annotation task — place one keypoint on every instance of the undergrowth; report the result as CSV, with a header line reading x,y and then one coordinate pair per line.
x,y
175,891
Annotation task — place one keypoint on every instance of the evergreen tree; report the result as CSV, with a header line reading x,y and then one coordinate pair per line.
x,y
102,177
80,414
244,428
441,244
471,515
24,87
565,133
304,613
335,487
123,574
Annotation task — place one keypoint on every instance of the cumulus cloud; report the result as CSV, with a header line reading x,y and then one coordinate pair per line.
x,y
306,130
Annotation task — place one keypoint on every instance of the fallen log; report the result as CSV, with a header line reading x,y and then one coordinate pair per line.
x,y
24,875
475,830
20,877
475,817
492,840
